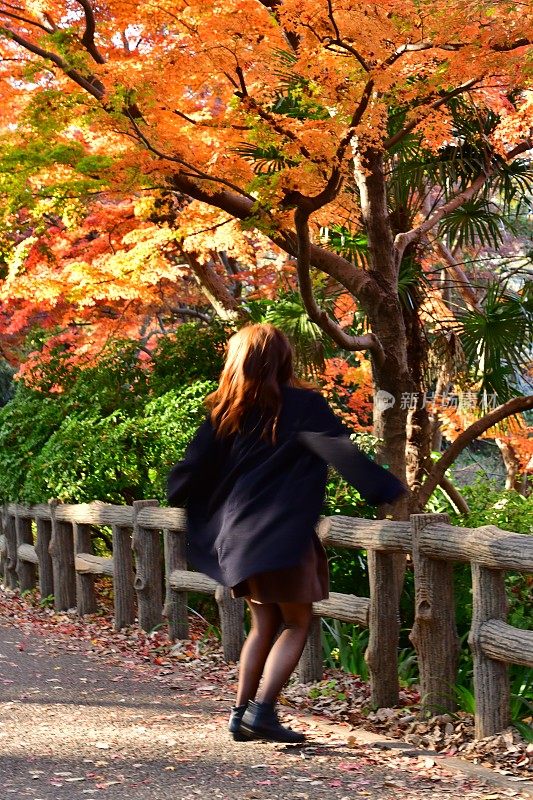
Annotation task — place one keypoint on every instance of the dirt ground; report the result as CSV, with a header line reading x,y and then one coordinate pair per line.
x,y
81,723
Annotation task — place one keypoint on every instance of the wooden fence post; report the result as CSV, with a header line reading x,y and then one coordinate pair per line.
x,y
384,624
231,622
3,548
85,595
62,552
42,548
175,601
11,551
25,569
434,633
311,664
123,577
491,678
148,576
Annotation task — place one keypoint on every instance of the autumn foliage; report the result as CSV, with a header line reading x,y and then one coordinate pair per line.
x,y
160,159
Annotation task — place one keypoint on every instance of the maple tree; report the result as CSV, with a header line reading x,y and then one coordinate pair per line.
x,y
93,265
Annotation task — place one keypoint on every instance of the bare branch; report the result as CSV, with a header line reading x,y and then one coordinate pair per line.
x,y
216,291
185,311
463,284
210,125
523,147
414,47
366,342
454,496
509,409
242,82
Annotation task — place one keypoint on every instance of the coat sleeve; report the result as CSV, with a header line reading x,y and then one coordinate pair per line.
x,y
185,474
325,435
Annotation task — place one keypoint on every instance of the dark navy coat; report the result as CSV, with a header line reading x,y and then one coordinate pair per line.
x,y
253,506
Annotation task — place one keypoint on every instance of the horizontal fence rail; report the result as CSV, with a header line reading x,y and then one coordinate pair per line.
x,y
53,543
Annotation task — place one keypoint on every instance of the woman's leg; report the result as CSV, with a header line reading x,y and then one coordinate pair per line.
x,y
286,651
266,620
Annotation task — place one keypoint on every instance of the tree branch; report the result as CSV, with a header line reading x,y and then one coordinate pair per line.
x,y
463,284
93,87
402,240
366,342
514,406
339,41
415,47
275,123
292,38
454,495
388,143
184,311
197,173
216,291
356,280
35,24
87,39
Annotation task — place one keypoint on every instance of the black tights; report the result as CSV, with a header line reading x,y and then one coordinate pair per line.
x,y
265,656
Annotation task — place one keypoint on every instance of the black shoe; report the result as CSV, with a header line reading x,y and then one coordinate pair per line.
x,y
234,724
260,721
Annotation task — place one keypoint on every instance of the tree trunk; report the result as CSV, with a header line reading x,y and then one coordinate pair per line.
x,y
391,381
419,434
513,479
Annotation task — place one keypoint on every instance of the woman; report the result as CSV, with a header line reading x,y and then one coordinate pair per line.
x,y
253,480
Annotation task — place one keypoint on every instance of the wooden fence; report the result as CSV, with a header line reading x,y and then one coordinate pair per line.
x,y
56,538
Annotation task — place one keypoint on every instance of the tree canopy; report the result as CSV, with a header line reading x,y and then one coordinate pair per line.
x,y
363,143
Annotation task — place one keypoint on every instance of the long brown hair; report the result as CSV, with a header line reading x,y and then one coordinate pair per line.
x,y
259,362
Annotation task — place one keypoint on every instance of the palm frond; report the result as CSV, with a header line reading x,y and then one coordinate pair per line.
x,y
289,315
513,180
475,222
496,340
266,159
411,282
351,245
295,95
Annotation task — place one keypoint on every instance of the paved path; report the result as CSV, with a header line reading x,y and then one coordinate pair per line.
x,y
73,727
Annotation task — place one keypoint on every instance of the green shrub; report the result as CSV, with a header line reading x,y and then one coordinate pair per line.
x,y
492,505
116,459
109,431
26,424
192,353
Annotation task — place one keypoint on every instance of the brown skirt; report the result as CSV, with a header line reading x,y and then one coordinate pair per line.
x,y
307,582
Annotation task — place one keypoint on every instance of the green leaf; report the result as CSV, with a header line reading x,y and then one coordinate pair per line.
x,y
266,159
476,222
496,339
